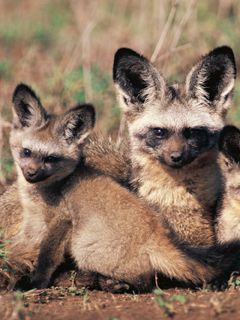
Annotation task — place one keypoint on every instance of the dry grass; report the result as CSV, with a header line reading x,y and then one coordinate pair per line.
x,y
64,49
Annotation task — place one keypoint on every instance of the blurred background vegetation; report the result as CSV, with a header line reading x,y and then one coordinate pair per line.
x,y
64,49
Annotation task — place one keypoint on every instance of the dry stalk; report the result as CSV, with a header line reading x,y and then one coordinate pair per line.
x,y
174,50
83,45
86,61
164,32
182,23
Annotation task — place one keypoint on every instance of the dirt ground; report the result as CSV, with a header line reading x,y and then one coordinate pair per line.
x,y
68,303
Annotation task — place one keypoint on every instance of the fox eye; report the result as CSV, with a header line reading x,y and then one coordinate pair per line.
x,y
27,152
52,159
160,132
192,133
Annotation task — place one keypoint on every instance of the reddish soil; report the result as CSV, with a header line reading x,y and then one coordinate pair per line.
x,y
60,303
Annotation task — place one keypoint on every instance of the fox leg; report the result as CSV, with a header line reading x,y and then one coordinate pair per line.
x,y
52,253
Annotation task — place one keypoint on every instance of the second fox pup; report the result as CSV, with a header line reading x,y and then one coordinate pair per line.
x,y
174,133
68,206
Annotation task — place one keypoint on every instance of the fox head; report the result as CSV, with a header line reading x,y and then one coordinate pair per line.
x,y
178,123
47,147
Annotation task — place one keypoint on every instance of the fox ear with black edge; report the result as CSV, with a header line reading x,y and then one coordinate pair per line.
x,y
77,123
136,79
27,108
229,143
211,81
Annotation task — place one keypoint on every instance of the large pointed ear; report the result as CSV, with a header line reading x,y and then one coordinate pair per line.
x,y
211,81
76,124
136,79
229,143
27,108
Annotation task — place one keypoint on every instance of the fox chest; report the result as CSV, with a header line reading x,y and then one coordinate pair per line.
x,y
35,226
185,207
187,194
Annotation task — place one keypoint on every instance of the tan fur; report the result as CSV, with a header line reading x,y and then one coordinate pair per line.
x,y
10,212
102,153
228,222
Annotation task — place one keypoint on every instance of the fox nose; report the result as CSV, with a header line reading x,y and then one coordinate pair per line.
x,y
32,172
176,156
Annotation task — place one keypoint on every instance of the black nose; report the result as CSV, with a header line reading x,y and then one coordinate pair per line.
x,y
32,173
176,156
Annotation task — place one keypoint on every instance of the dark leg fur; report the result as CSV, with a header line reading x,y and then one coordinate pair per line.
x,y
52,253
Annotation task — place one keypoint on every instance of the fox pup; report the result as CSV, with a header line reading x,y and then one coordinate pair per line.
x,y
174,132
228,220
70,207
